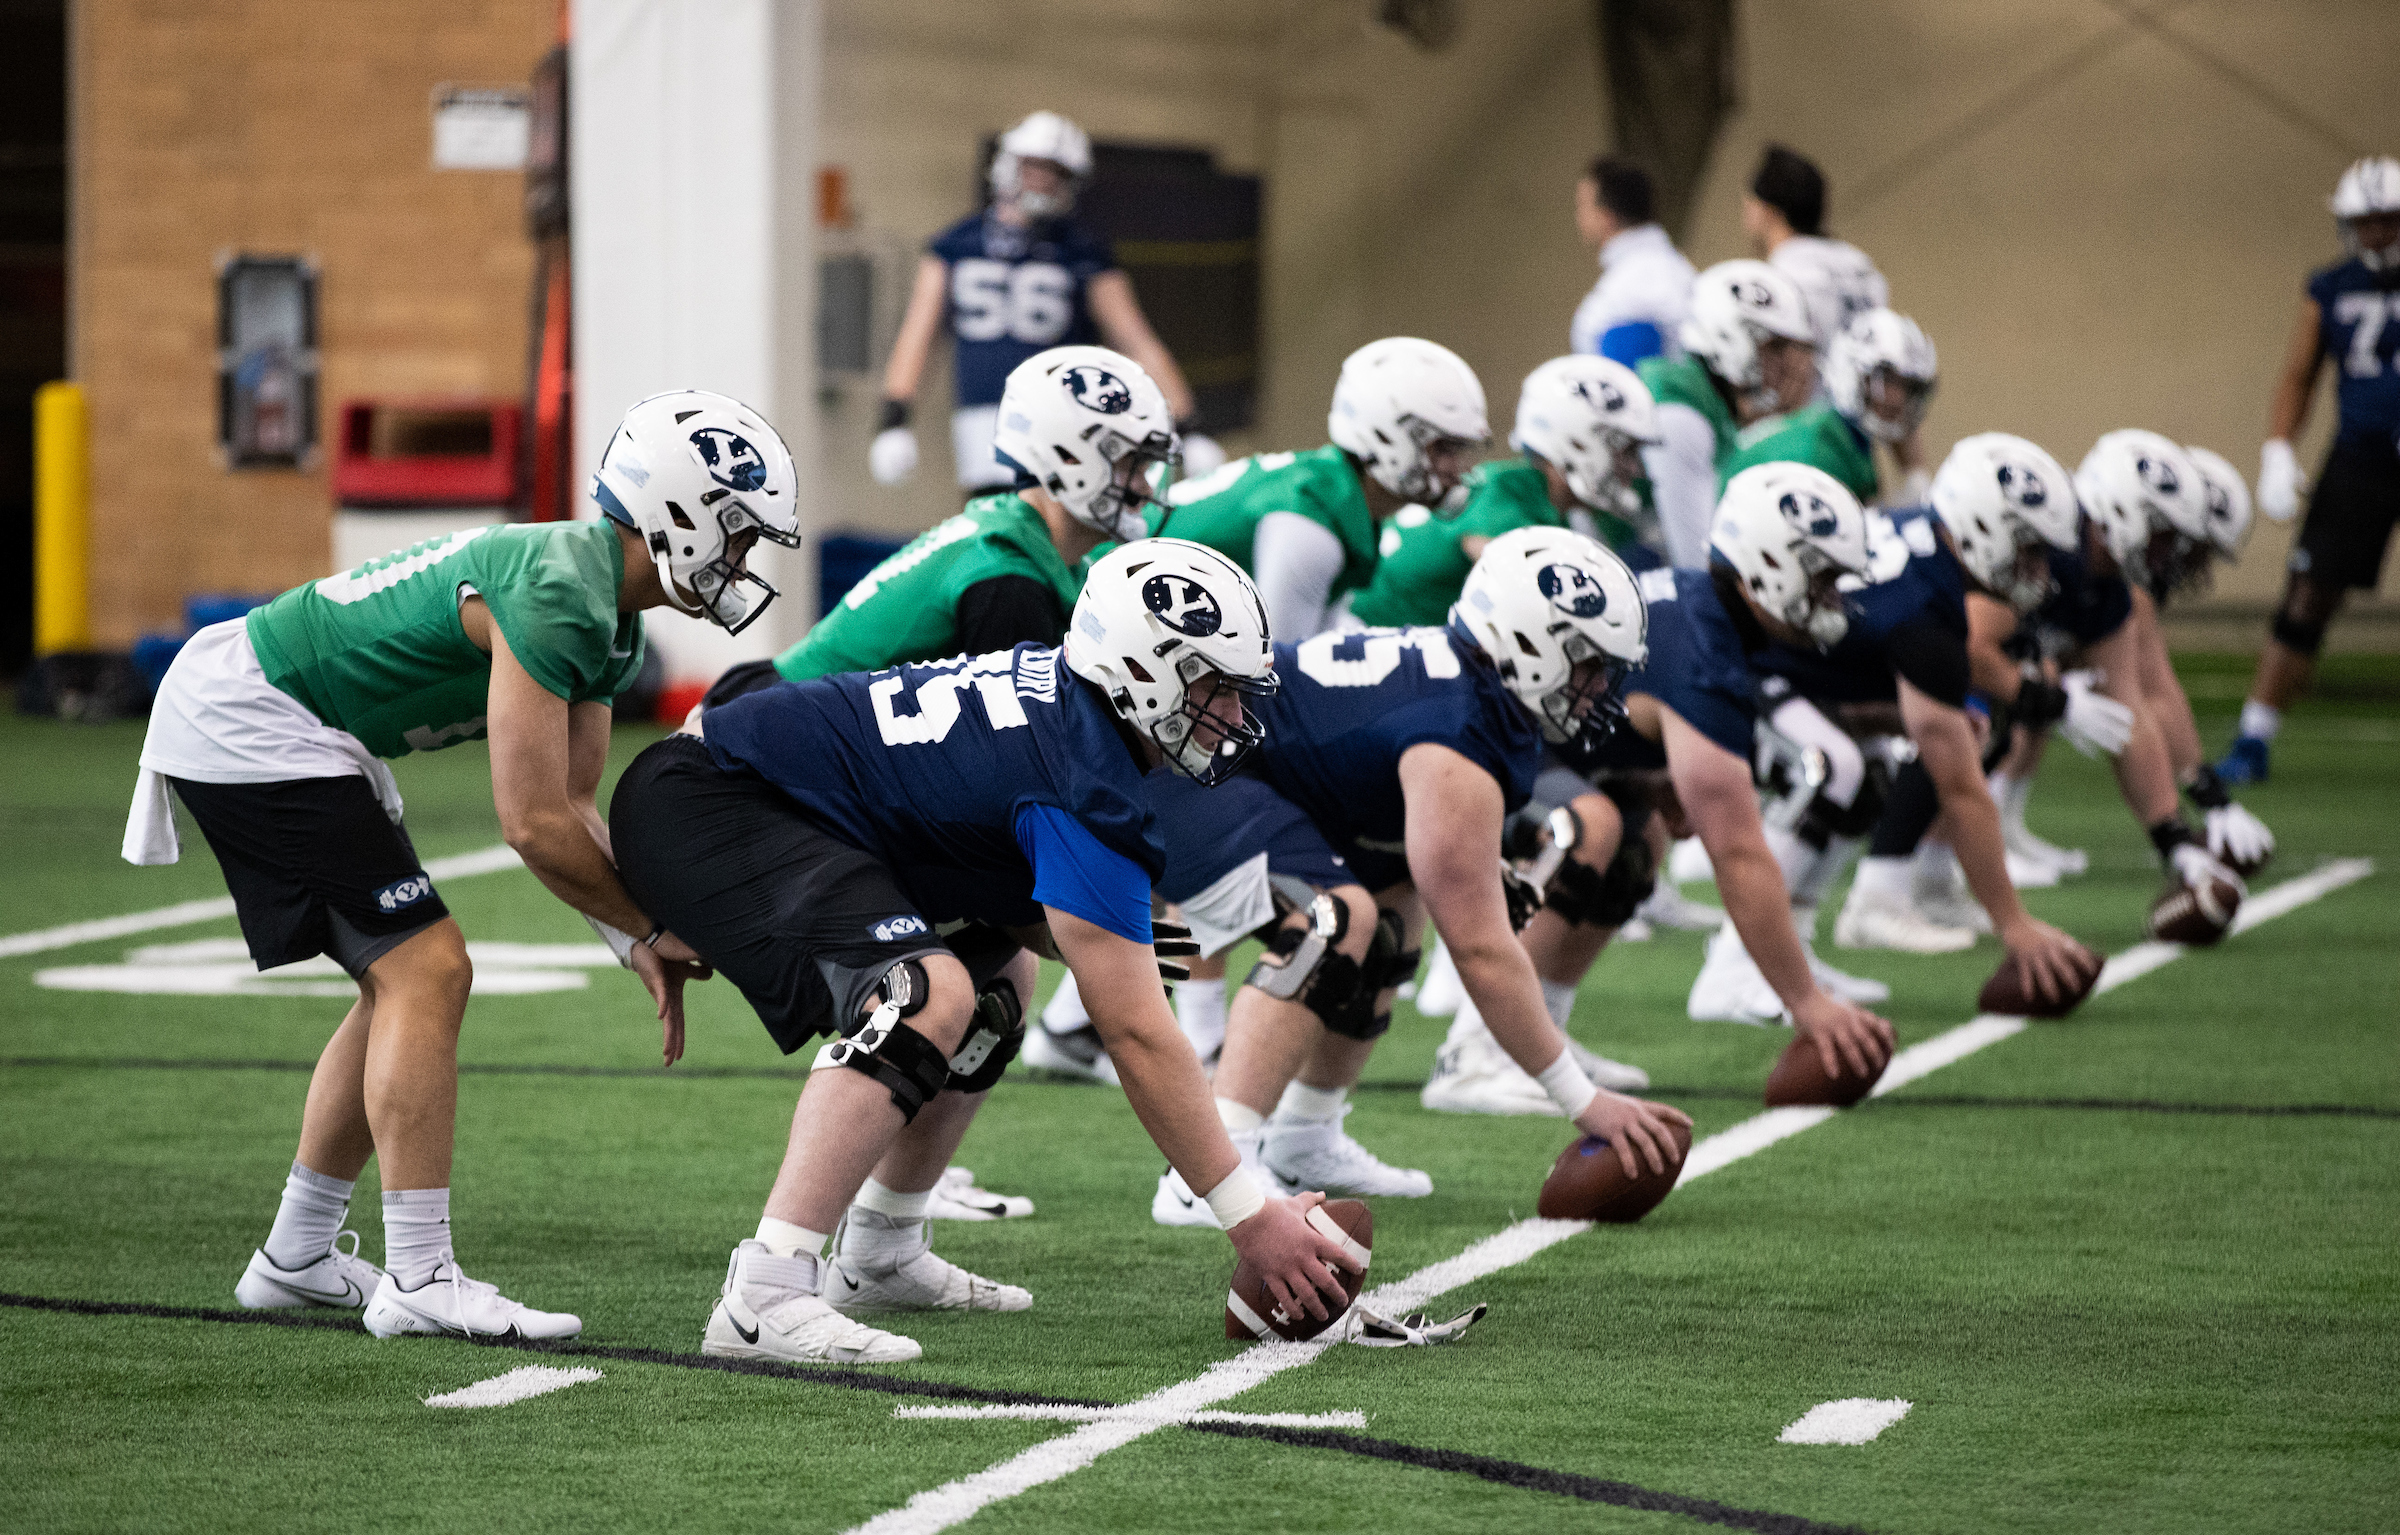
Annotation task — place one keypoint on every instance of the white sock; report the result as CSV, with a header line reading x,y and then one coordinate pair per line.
x,y
1804,922
2260,721
906,1207
1559,997
1065,1012
1238,1118
1303,1104
1200,1009
786,1240
416,1233
1890,878
309,1218
875,1238
2011,795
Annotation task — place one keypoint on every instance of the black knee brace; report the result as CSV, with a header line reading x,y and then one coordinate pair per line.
x,y
993,1038
2300,635
1386,964
911,1067
1589,897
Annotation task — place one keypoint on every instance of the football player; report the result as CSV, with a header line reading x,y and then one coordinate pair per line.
x,y
1018,278
1748,354
877,856
1879,374
1391,760
1645,286
272,730
2350,317
1690,715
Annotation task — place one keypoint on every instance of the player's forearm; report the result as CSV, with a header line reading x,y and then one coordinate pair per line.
x,y
2287,415
2145,774
1760,909
1163,1083
1499,977
1973,822
558,846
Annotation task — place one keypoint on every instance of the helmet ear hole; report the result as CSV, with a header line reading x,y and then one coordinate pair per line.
x,y
681,520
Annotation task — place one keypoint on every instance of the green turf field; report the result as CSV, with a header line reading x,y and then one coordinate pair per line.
x,y
2135,1272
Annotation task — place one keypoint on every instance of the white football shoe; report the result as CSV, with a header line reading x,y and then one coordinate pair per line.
x,y
1688,862
1635,930
1317,1154
1441,992
1670,907
1730,988
956,1198
1473,1075
770,1309
2024,847
1872,920
2031,873
338,1278
452,1303
1864,990
1174,1203
860,1280
1077,1055
1614,1075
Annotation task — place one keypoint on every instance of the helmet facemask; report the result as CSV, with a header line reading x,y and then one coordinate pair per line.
x,y
1413,477
1139,474
1586,709
1177,732
725,590
1892,404
1817,609
1612,491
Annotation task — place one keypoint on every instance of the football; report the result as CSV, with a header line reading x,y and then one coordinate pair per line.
x,y
1799,1077
1588,1182
2198,915
2008,993
1250,1312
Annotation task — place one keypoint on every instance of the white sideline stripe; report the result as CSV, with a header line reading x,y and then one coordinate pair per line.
x,y
518,1384
1062,1412
1852,1420
955,1502
490,860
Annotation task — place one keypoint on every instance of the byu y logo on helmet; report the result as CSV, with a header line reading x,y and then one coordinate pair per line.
x,y
1182,605
731,461
1809,515
1098,389
1571,589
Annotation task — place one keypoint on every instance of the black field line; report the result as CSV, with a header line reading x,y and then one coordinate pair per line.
x,y
1724,1094
1509,1473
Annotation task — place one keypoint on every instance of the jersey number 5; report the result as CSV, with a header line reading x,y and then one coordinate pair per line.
x,y
937,701
1032,301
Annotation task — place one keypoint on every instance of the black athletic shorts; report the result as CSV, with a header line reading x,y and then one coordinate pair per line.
x,y
804,924
2350,514
315,867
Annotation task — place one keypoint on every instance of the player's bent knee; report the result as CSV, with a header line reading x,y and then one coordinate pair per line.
x,y
1605,897
1315,955
994,1035
430,968
1603,828
1366,1015
889,1048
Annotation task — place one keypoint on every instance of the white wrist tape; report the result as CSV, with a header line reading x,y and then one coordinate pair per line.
x,y
1236,1199
619,943
1567,1086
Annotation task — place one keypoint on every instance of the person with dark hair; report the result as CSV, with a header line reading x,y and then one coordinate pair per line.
x,y
1645,283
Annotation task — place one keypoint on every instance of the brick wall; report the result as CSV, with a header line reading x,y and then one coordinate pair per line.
x,y
204,127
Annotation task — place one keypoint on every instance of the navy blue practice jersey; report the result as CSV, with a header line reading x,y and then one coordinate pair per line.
x,y
1698,667
1015,292
1908,618
1351,703
928,767
2358,327
2085,604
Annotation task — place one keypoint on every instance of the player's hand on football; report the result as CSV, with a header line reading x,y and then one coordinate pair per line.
x,y
2239,838
1175,946
1850,1040
2050,961
2280,482
1636,1127
1296,1260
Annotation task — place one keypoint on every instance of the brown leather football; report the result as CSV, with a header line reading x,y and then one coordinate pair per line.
x,y
1250,1312
1588,1182
1799,1078
2198,915
2010,993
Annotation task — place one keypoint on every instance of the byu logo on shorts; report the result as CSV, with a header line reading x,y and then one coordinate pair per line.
x,y
1098,389
1809,515
2023,486
1182,605
1572,590
731,461
403,893
898,927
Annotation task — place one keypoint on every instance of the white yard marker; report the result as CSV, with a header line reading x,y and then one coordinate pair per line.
x,y
955,1502
489,860
518,1384
1065,1412
1852,1420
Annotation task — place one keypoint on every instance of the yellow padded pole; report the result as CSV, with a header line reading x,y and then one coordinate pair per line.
x,y
62,520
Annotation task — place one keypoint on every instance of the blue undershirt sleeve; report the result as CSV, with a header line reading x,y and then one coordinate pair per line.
x,y
1074,872
1632,342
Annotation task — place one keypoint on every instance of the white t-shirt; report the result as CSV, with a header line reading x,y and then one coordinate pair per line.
x,y
1644,280
1839,280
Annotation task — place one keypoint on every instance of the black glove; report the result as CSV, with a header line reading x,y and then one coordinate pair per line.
x,y
1173,943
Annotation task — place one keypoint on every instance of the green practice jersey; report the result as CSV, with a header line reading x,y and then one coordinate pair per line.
x,y
1684,381
380,652
906,609
1424,560
1222,510
1816,435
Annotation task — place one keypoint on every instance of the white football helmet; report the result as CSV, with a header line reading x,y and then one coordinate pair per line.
x,y
1881,372
1736,305
691,472
1158,615
1542,599
2146,495
1791,531
1042,136
2367,188
2228,498
1087,425
2003,499
1396,399
1590,417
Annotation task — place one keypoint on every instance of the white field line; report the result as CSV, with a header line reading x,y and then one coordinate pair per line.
x,y
1061,1412
488,860
515,1386
1852,1420
955,1502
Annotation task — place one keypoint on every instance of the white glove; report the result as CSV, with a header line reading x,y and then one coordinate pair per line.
x,y
1411,1331
2280,481
2196,866
2238,837
893,457
2094,724
1201,455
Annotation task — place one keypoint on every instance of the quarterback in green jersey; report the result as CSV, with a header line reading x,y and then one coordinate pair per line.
x,y
1406,414
273,730
1581,425
1879,378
